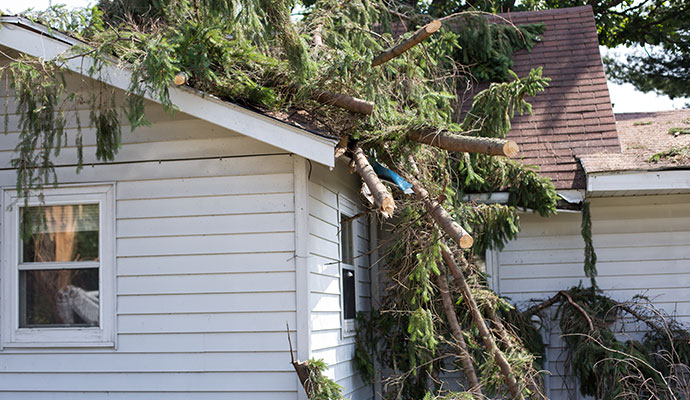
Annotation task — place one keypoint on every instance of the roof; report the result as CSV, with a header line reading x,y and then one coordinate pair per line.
x,y
37,40
643,135
573,116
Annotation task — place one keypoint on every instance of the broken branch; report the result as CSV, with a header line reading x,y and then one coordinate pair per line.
x,y
465,144
419,36
384,200
480,323
456,330
441,216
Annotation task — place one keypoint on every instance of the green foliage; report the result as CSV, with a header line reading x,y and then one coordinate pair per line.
x,y
321,387
590,255
674,154
493,108
679,131
488,48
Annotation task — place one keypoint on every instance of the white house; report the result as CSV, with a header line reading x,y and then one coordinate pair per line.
x,y
212,229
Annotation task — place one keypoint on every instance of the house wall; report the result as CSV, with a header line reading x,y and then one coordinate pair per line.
x,y
205,269
642,245
327,340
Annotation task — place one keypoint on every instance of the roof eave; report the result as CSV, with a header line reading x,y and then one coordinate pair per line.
x,y
39,41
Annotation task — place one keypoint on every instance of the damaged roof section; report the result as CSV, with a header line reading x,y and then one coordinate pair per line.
x,y
649,141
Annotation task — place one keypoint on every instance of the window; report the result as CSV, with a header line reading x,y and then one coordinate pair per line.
x,y
347,267
58,268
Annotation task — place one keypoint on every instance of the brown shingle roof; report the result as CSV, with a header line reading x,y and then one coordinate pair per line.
x,y
642,135
573,116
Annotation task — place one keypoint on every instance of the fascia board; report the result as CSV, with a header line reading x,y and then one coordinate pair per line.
x,y
636,181
187,100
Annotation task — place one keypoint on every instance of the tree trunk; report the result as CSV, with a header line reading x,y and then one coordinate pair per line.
x,y
384,200
465,144
441,216
484,332
456,330
419,36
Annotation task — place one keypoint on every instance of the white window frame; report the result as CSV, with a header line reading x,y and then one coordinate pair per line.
x,y
99,336
347,208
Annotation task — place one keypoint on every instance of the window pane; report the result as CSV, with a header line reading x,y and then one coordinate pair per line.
x,y
346,247
58,298
349,300
62,233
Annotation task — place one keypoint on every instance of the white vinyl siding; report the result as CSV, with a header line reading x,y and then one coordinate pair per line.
x,y
642,245
327,340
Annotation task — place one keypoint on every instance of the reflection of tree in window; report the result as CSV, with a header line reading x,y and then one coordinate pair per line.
x,y
59,297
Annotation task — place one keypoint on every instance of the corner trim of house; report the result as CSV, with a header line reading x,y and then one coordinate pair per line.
x,y
302,291
34,40
492,269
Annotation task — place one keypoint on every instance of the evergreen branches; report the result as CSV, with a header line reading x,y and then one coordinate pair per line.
x,y
590,255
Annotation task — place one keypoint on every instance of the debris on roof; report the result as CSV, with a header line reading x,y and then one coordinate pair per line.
x,y
649,141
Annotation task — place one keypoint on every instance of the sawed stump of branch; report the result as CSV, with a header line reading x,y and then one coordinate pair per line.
x,y
418,37
344,101
465,144
383,199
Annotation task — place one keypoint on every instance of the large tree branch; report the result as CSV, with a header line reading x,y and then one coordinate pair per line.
x,y
480,323
441,216
456,330
465,144
419,36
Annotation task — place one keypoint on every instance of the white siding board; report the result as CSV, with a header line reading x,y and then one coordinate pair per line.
x,y
132,362
215,205
272,182
207,283
204,342
207,302
205,244
211,381
205,264
147,395
208,224
208,322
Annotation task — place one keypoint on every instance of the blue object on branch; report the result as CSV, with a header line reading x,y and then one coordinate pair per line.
x,y
391,176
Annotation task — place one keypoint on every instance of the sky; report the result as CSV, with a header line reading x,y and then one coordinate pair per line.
x,y
624,97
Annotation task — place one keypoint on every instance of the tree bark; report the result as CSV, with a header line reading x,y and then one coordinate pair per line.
x,y
484,332
465,144
441,216
344,101
456,330
384,200
419,36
